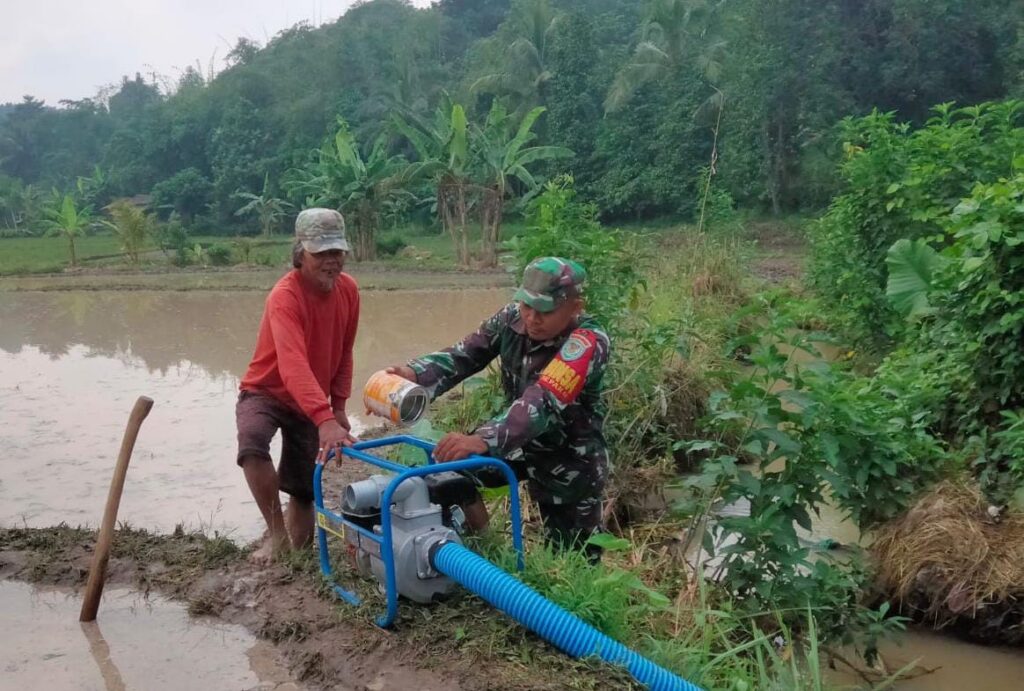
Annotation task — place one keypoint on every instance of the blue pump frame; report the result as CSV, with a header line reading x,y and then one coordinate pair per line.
x,y
325,517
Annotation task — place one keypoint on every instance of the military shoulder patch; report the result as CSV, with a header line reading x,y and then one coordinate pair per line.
x,y
575,348
566,375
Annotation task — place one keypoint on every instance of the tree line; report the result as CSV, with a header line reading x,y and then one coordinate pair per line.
x,y
654,107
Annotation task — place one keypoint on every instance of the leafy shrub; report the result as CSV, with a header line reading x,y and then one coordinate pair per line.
x,y
902,184
807,428
720,212
186,193
982,292
132,225
559,225
963,365
219,255
390,246
171,236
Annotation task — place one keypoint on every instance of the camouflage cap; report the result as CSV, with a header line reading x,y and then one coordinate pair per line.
x,y
320,230
550,281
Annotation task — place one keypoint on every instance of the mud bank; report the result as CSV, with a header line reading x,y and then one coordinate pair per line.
x,y
369,276
323,644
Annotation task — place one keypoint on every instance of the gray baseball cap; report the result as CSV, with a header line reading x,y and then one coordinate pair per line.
x,y
320,230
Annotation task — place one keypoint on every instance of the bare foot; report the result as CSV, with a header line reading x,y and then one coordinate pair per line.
x,y
269,550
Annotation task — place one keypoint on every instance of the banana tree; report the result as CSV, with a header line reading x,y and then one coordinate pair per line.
x,y
63,217
132,226
339,176
269,209
442,145
506,157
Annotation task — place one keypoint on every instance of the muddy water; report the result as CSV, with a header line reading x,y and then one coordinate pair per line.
x,y
137,644
941,663
72,364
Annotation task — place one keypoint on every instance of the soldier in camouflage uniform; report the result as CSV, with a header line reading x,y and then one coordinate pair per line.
x,y
553,358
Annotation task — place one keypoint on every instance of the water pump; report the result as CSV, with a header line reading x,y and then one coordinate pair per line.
x,y
403,530
425,512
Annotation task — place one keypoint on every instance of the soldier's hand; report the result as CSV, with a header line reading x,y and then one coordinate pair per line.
x,y
455,447
403,371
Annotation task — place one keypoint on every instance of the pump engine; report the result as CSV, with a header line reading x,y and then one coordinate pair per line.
x,y
424,513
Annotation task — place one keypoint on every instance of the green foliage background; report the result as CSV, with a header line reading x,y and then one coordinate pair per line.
x,y
783,73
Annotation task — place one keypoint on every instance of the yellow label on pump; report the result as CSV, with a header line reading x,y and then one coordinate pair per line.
x,y
323,522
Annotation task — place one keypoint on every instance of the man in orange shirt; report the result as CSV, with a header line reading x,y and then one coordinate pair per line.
x,y
299,380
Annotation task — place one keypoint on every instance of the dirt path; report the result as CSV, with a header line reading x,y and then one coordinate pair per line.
x,y
782,251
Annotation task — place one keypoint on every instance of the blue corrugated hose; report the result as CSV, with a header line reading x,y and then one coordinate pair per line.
x,y
545,618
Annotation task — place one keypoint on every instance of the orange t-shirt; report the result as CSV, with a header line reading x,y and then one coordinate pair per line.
x,y
304,348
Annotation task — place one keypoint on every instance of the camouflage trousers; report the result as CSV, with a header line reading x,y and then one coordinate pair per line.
x,y
567,524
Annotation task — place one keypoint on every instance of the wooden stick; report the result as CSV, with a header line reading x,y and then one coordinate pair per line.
x,y
98,570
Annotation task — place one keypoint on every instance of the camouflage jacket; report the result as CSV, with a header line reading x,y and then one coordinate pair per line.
x,y
554,420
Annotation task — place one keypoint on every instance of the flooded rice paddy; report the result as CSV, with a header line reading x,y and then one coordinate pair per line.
x,y
73,363
138,643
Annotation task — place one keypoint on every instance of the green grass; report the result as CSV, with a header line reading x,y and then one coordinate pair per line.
x,y
47,254
433,250
430,251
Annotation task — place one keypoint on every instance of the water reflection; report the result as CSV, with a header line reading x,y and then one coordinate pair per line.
x,y
72,364
145,644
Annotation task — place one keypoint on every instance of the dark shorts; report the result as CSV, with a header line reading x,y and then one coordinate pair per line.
x,y
258,417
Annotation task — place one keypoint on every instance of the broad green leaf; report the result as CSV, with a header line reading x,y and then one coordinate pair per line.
x,y
458,147
973,263
609,542
783,442
912,265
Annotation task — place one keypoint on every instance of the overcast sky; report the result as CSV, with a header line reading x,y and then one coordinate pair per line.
x,y
68,49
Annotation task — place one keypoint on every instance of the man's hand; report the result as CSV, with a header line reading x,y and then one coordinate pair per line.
x,y
455,447
403,371
342,417
332,437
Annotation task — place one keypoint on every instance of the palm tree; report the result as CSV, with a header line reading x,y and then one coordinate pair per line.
x,y
677,35
505,156
443,149
132,226
62,217
524,73
339,176
269,209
